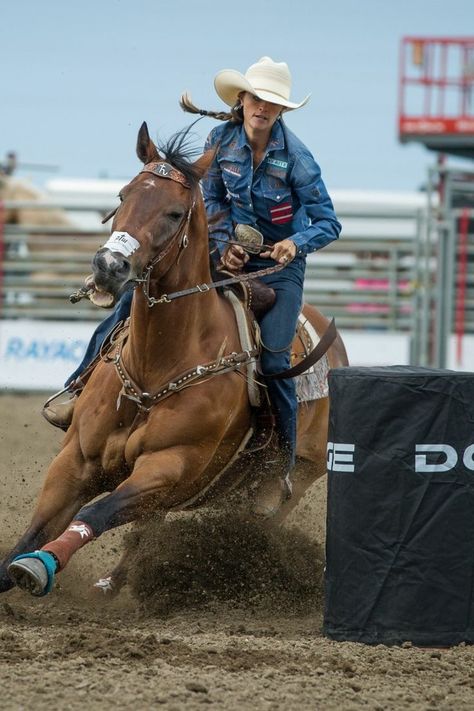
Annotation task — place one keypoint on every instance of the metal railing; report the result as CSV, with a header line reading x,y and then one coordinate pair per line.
x,y
368,279
447,260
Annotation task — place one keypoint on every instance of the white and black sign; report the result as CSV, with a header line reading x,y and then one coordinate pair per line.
x,y
400,516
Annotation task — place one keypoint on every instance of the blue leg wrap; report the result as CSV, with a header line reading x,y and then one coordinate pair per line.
x,y
49,563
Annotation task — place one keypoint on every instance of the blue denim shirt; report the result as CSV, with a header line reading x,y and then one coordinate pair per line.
x,y
284,197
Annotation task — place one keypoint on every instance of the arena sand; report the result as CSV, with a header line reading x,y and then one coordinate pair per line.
x,y
219,612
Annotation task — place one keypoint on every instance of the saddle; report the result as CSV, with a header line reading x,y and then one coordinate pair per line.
x,y
255,295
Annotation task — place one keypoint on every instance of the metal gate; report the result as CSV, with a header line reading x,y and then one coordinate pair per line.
x,y
445,300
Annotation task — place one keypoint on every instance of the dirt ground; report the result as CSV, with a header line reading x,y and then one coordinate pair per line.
x,y
223,615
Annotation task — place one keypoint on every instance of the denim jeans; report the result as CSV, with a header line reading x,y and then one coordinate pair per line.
x,y
120,313
278,328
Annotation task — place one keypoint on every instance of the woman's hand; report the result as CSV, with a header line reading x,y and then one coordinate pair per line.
x,y
282,252
234,258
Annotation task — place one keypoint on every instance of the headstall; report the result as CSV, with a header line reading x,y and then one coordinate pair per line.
x,y
164,170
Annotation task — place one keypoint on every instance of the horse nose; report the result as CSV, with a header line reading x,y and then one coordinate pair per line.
x,y
113,264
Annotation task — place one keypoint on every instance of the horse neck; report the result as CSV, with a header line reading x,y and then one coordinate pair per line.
x,y
166,337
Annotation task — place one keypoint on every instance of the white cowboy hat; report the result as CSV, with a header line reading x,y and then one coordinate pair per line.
x,y
269,80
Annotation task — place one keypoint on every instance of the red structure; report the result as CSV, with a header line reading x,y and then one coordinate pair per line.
x,y
436,93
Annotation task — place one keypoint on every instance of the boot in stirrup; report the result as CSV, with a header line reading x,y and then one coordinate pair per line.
x,y
60,414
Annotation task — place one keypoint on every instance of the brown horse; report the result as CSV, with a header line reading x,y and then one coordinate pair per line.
x,y
153,452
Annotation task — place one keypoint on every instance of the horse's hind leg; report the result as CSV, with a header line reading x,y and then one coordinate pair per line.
x,y
109,586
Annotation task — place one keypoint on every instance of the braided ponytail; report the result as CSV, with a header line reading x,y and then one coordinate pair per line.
x,y
235,115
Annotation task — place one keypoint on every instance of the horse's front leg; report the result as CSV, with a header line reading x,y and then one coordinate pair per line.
x,y
149,488
70,482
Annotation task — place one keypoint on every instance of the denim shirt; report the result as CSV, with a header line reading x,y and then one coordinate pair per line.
x,y
284,197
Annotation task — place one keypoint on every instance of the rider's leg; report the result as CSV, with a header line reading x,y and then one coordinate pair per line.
x,y
60,414
278,329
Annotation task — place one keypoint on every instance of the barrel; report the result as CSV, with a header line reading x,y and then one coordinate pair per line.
x,y
400,513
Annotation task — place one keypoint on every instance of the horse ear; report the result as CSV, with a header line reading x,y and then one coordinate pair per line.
x,y
146,149
203,163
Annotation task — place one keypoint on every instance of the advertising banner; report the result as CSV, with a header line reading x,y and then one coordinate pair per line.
x,y
40,355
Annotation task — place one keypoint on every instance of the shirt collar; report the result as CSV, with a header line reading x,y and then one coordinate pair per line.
x,y
276,142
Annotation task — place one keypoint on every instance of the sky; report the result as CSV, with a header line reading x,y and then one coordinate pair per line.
x,y
77,79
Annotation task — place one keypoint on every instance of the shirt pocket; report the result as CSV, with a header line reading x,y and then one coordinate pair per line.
x,y
232,174
279,205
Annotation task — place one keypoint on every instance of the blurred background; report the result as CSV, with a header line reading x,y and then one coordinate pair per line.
x,y
390,121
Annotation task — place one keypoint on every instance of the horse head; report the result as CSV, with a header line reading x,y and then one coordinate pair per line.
x,y
152,222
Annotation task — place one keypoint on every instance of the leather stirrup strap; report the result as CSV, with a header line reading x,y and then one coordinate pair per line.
x,y
327,339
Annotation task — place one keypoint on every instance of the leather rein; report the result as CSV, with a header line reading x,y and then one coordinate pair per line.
x,y
164,170
224,363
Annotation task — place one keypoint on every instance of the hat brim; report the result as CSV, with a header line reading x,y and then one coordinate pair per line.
x,y
229,83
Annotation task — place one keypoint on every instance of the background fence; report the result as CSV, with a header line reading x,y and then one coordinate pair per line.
x,y
402,267
366,279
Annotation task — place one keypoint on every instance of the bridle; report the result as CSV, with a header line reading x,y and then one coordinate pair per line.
x,y
231,362
161,169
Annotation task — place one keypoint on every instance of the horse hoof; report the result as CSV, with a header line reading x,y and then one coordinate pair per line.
x,y
29,574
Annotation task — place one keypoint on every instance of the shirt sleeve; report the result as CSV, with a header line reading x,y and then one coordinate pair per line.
x,y
216,200
307,184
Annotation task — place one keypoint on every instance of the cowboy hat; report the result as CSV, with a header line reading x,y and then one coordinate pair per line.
x,y
269,80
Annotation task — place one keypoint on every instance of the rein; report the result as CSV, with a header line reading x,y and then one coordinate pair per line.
x,y
231,362
203,288
165,170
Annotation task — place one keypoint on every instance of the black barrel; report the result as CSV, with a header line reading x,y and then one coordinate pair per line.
x,y
400,517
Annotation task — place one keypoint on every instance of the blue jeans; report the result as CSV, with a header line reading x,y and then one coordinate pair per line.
x,y
278,328
120,313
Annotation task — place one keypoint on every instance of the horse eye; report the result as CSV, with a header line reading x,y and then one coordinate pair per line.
x,y
175,215
120,197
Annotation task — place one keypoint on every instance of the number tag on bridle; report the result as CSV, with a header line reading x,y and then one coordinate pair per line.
x,y
122,242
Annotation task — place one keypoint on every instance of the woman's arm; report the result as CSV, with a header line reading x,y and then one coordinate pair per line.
x,y
307,184
216,199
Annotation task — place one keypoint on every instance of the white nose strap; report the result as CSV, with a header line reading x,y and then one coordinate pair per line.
x,y
122,242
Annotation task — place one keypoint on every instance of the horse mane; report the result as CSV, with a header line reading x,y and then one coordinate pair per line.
x,y
180,151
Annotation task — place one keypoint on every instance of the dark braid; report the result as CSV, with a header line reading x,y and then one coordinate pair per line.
x,y
235,114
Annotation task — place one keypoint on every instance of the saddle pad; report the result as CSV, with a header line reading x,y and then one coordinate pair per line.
x,y
313,384
247,342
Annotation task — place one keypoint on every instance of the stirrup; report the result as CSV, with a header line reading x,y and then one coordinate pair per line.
x,y
56,395
60,415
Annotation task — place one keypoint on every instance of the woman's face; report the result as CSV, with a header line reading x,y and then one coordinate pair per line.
x,y
259,115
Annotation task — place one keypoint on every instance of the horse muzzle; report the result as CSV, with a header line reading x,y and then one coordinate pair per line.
x,y
111,272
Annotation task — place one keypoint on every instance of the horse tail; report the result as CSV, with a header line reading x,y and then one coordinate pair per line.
x,y
234,115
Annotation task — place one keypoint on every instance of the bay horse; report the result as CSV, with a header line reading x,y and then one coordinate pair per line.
x,y
144,451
